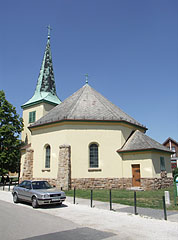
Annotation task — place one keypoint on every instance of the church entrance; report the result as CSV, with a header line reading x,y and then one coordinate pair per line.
x,y
136,175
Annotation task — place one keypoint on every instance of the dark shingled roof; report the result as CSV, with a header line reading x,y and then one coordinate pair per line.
x,y
86,104
140,141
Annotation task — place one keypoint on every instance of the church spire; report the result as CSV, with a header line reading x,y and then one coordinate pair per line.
x,y
45,88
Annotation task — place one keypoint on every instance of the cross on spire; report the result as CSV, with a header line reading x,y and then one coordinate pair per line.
x,y
49,29
86,77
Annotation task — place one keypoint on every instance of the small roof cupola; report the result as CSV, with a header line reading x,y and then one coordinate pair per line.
x,y
45,88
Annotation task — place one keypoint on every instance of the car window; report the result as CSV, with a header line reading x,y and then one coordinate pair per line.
x,y
41,185
23,184
28,185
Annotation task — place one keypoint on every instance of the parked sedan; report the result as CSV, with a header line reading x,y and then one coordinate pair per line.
x,y
37,193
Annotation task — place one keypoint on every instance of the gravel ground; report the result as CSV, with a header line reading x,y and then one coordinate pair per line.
x,y
146,212
123,224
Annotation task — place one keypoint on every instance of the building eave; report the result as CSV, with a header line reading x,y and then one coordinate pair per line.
x,y
38,102
89,121
143,150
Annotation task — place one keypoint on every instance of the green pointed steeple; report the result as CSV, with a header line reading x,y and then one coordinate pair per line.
x,y
45,88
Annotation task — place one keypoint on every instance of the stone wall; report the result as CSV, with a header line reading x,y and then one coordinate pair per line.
x,y
100,183
64,167
157,183
120,183
27,168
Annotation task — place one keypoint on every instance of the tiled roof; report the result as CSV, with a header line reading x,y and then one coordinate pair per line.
x,y
140,141
87,104
45,89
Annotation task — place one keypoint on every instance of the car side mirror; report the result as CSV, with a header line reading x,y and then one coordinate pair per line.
x,y
54,185
28,187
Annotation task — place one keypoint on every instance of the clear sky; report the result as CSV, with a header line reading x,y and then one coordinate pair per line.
x,y
129,48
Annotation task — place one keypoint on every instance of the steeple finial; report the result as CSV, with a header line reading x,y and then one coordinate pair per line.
x,y
86,77
49,29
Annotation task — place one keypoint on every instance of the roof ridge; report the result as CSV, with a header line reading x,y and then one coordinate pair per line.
x,y
75,104
113,109
129,138
105,105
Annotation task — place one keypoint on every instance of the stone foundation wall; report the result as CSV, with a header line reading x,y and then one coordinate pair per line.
x,y
156,183
101,183
120,183
108,183
27,169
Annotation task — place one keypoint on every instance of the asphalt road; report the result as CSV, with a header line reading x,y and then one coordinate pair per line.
x,y
78,222
17,222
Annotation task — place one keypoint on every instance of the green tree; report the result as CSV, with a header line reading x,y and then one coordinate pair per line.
x,y
11,126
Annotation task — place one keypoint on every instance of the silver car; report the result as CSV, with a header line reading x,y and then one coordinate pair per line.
x,y
37,193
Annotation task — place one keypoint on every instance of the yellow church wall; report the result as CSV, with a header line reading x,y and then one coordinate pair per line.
x,y
39,143
149,164
109,139
156,163
41,109
144,159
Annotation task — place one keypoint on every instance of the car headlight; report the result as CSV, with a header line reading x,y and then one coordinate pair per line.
x,y
45,196
63,194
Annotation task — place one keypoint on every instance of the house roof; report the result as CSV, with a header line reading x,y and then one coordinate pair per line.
x,y
45,88
170,139
138,141
86,104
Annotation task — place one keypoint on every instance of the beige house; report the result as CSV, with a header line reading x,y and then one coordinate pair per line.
x,y
86,141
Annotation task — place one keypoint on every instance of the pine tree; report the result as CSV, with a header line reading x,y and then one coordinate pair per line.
x,y
11,126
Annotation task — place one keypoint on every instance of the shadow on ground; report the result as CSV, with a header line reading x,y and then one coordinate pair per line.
x,y
78,233
45,206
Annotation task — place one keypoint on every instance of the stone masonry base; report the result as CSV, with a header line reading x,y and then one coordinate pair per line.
x,y
120,183
114,183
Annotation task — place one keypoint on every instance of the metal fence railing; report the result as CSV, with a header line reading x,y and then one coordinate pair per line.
x,y
110,202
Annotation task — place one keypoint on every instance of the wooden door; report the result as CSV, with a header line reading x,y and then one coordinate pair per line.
x,y
136,175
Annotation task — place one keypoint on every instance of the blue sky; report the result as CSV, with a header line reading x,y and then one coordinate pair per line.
x,y
129,48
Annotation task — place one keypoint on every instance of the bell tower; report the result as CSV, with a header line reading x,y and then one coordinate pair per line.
x,y
44,98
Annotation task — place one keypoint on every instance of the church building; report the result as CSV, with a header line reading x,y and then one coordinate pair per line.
x,y
86,141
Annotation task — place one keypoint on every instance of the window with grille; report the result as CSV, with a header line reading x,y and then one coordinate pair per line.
x,y
93,149
48,156
32,117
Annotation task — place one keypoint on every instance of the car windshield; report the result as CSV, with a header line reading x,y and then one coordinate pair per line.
x,y
41,185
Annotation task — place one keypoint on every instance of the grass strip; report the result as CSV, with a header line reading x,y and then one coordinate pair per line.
x,y
146,199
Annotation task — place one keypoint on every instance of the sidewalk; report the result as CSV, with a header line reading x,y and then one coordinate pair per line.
x,y
145,212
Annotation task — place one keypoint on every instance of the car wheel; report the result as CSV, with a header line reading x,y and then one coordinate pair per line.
x,y
15,198
34,202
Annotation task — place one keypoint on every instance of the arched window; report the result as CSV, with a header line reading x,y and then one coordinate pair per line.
x,y
93,148
47,157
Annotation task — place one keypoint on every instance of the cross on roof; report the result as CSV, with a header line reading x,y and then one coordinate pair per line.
x,y
49,29
86,77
